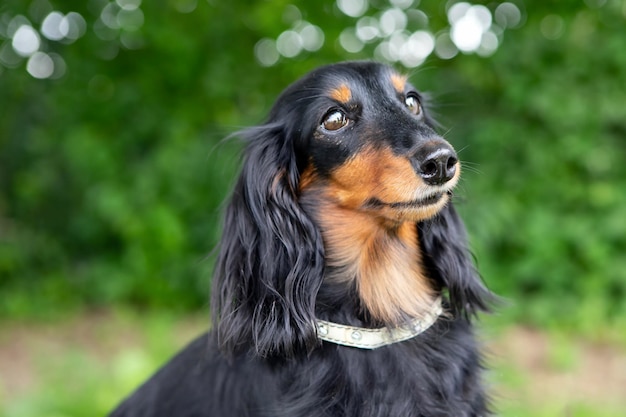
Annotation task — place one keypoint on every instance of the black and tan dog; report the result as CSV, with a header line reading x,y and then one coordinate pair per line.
x,y
343,286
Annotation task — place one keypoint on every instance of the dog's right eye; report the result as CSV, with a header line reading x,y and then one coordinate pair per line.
x,y
413,104
334,120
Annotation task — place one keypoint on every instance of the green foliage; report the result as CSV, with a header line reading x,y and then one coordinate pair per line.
x,y
546,211
112,177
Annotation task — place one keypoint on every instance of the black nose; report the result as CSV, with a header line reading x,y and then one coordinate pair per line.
x,y
437,167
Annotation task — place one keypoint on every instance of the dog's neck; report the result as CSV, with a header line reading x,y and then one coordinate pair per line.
x,y
381,260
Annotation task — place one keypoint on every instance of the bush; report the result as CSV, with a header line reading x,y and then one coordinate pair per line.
x,y
112,176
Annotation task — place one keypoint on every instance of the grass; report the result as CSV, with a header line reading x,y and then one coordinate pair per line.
x,y
83,365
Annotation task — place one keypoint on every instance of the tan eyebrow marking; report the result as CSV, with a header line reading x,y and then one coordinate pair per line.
x,y
342,94
398,81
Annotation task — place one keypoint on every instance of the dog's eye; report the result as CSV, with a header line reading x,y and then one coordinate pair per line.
x,y
334,120
413,104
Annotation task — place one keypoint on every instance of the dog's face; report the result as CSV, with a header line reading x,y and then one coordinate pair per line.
x,y
365,134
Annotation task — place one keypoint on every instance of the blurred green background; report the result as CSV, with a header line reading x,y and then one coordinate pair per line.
x,y
113,173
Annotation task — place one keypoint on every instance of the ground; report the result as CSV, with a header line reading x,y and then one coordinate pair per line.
x,y
85,364
561,376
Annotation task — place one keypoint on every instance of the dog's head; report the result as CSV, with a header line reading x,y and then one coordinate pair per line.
x,y
361,133
363,130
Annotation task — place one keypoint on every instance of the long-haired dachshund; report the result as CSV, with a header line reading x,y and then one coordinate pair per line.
x,y
343,286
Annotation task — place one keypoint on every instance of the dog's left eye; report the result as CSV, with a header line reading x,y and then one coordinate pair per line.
x,y
334,120
413,104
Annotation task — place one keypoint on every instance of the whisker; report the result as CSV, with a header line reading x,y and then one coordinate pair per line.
x,y
311,97
471,167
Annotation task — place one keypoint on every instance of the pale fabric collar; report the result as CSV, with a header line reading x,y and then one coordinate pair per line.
x,y
364,338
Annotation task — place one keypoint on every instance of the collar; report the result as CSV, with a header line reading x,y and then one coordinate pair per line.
x,y
364,338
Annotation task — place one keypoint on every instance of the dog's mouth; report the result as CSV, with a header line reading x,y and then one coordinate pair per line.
x,y
424,202
413,204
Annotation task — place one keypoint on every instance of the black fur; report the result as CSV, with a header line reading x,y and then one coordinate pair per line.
x,y
263,357
271,260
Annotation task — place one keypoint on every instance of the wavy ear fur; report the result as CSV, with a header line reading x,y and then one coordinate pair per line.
x,y
449,261
270,265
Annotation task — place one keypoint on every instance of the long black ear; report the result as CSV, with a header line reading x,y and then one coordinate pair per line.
x,y
444,242
270,264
